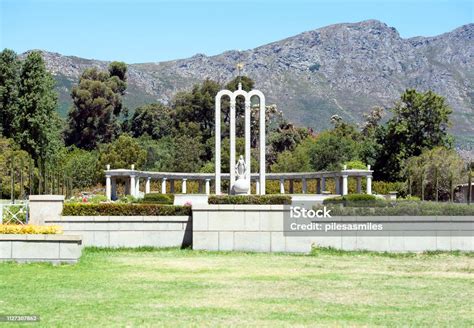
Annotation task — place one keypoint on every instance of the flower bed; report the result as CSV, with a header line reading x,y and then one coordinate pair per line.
x,y
28,229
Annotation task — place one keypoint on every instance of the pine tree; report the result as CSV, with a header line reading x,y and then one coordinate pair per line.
x,y
36,124
97,105
9,77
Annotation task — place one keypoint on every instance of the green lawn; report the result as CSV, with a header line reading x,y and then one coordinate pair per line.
x,y
184,287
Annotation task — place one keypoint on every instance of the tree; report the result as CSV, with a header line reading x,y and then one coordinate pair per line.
x,y
329,151
420,121
292,161
286,137
81,167
159,152
121,154
97,105
36,124
156,120
198,106
9,80
434,173
14,163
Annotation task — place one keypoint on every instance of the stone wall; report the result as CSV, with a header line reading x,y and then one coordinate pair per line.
x,y
40,248
129,231
261,228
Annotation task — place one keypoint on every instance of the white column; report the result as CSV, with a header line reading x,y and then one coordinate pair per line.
x,y
163,186
232,143
323,184
369,185
218,145
304,187
257,187
359,185
132,185
137,187
147,185
208,186
108,187
183,186
247,138
282,186
262,144
345,190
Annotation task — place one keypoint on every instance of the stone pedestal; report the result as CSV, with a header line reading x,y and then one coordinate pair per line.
x,y
45,207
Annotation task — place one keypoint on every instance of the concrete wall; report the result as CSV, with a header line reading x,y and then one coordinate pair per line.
x,y
40,248
261,228
129,231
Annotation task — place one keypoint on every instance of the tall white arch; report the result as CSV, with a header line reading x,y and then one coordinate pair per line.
x,y
247,96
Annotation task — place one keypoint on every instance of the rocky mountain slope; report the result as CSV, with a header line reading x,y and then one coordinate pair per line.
x,y
340,69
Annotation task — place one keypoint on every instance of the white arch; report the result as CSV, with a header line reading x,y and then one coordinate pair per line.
x,y
233,96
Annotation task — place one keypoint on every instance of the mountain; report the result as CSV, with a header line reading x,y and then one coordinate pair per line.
x,y
342,69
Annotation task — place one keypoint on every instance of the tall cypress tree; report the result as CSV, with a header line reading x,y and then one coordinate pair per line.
x,y
9,77
36,124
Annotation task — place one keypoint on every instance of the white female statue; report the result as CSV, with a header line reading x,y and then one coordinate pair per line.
x,y
241,168
242,185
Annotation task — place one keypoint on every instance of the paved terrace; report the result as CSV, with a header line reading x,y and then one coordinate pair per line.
x,y
132,179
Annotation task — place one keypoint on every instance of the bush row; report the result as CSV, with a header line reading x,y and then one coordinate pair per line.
x,y
28,229
155,198
251,199
402,208
111,209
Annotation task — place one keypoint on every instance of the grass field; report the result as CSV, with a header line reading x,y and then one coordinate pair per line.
x,y
176,287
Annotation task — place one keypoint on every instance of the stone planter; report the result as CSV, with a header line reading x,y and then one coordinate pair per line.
x,y
40,248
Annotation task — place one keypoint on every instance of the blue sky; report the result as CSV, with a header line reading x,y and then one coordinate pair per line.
x,y
150,31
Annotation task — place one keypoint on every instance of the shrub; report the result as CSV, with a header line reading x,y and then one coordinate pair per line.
x,y
251,199
384,188
127,199
354,200
28,229
356,165
155,198
117,209
351,198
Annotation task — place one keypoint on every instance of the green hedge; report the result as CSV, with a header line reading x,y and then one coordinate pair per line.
x,y
356,200
114,209
351,198
155,198
402,208
251,199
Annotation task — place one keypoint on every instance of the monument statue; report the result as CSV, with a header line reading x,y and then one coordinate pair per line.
x,y
242,185
240,171
241,168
